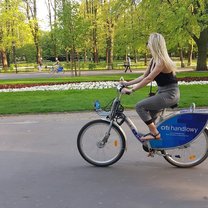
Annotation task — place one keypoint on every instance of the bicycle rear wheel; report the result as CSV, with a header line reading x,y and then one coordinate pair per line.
x,y
189,155
94,147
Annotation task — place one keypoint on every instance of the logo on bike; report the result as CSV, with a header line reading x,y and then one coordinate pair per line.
x,y
180,129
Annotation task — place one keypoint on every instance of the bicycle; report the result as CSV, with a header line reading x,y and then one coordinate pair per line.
x,y
183,143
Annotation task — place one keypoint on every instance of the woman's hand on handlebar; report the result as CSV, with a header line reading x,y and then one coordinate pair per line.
x,y
123,88
126,91
124,83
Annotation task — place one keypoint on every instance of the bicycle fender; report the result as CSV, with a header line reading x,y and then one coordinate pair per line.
x,y
179,130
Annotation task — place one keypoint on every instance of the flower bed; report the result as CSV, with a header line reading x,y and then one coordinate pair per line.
x,y
86,85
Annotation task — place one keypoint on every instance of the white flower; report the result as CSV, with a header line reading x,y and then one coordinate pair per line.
x,y
187,83
84,86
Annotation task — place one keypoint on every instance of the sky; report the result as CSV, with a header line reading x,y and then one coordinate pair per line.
x,y
42,14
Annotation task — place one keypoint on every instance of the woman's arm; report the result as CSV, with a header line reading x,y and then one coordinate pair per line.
x,y
151,76
145,80
139,79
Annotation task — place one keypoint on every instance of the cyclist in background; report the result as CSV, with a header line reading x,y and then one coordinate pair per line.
x,y
56,65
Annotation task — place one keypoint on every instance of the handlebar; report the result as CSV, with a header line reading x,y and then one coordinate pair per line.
x,y
120,87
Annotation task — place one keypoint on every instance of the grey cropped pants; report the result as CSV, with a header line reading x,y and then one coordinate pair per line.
x,y
149,108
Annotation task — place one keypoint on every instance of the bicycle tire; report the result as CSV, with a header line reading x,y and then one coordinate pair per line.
x,y
89,138
189,155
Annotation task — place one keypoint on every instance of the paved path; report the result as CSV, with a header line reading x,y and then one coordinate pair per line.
x,y
41,168
83,73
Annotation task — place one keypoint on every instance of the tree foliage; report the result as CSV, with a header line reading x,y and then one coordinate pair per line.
x,y
107,29
180,21
13,29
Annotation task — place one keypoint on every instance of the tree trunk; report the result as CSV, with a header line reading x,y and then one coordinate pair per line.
x,y
39,56
95,50
135,56
94,33
4,59
85,55
181,57
109,56
202,44
73,62
190,53
78,64
109,45
14,55
67,56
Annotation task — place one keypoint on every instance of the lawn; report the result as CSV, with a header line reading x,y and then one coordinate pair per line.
x,y
75,100
91,78
82,100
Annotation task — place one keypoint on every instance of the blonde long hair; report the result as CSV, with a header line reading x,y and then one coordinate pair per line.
x,y
158,48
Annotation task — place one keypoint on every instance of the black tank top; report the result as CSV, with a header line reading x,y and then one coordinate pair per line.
x,y
164,79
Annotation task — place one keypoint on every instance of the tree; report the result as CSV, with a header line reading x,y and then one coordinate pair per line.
x,y
91,13
199,13
112,10
31,11
52,6
128,35
180,20
192,20
72,29
13,30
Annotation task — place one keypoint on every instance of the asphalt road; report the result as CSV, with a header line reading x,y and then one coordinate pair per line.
x,y
23,75
4,76
41,167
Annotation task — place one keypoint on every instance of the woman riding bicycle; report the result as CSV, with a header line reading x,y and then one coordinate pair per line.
x,y
162,70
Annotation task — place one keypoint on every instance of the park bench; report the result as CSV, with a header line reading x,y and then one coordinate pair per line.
x,y
24,68
121,66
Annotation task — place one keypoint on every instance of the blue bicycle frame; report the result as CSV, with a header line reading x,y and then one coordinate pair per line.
x,y
180,130
177,130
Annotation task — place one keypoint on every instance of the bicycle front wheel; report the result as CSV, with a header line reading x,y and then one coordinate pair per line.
x,y
98,147
189,155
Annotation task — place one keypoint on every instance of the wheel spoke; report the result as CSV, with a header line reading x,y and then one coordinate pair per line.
x,y
189,155
90,143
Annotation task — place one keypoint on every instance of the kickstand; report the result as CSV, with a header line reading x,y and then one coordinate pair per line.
x,y
147,148
151,153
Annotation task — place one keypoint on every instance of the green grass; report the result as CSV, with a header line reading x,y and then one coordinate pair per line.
x,y
193,74
194,93
92,78
51,101
74,100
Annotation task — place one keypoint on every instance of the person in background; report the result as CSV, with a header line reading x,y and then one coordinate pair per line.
x,y
127,64
40,64
163,71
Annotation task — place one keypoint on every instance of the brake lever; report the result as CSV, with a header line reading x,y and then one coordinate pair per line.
x,y
128,93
